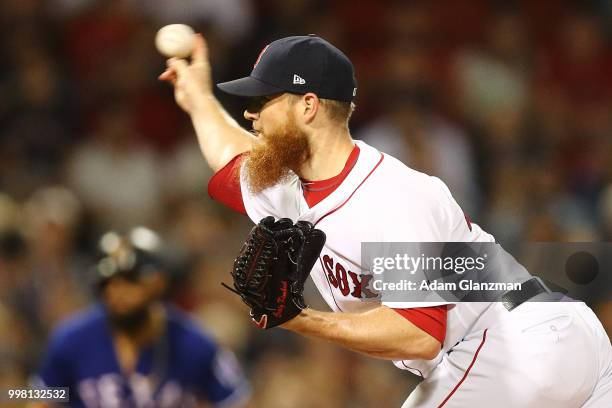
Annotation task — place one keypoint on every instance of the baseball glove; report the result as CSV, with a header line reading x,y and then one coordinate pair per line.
x,y
272,266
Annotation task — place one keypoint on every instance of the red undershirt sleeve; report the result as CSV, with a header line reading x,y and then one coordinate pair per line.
x,y
431,320
224,185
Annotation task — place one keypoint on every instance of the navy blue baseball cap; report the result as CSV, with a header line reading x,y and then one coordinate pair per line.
x,y
298,65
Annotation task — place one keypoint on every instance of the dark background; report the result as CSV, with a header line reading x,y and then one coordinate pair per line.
x,y
509,102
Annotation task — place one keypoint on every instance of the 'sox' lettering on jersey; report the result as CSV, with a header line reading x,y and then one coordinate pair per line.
x,y
338,275
329,269
260,54
343,284
361,282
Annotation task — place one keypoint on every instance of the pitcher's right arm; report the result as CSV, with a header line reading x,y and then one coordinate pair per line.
x,y
220,137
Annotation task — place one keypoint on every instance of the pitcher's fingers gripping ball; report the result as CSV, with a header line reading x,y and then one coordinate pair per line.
x,y
191,78
272,266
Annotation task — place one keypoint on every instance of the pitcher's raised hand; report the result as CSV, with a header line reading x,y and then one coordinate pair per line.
x,y
191,80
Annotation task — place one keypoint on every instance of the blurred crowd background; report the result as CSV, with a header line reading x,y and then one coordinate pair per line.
x,y
509,102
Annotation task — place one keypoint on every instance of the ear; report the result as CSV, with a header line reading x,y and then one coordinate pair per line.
x,y
311,105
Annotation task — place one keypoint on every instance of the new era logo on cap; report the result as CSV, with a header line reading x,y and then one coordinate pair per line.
x,y
298,80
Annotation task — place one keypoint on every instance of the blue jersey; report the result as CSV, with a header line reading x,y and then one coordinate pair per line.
x,y
184,366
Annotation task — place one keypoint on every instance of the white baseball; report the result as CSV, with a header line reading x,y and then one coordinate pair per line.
x,y
175,40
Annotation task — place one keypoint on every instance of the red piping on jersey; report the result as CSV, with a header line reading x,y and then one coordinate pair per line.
x,y
484,338
317,191
382,156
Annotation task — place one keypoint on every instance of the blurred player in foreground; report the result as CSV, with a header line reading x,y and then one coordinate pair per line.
x,y
303,164
132,350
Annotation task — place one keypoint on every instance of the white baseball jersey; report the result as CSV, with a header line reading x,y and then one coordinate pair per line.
x,y
381,200
530,357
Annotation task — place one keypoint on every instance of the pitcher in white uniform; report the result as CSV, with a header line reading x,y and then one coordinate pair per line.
x,y
300,162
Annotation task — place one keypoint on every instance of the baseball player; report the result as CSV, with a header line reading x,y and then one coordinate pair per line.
x,y
131,350
300,162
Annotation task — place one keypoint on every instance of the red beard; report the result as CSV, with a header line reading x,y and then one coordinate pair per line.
x,y
279,153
